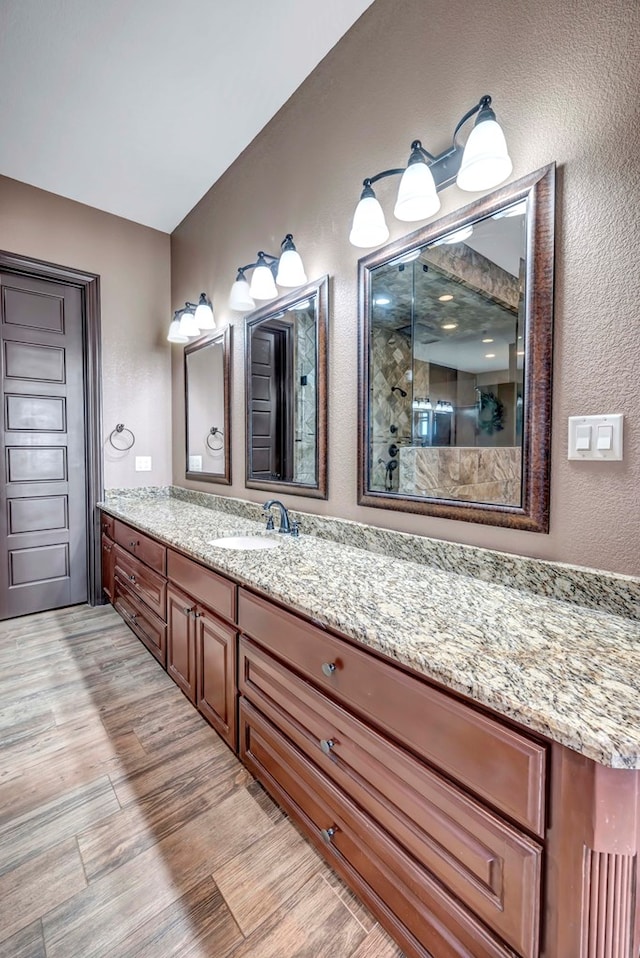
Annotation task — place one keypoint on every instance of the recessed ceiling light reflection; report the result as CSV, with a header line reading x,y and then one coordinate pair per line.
x,y
446,298
487,340
449,326
520,352
489,355
381,300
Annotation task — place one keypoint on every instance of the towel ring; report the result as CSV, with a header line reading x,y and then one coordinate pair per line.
x,y
120,428
214,431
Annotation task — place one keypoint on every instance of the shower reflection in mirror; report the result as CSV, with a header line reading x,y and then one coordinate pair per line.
x,y
447,356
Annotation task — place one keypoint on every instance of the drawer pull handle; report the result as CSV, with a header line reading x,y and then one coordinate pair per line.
x,y
328,833
133,544
198,615
133,616
131,578
328,668
326,744
188,611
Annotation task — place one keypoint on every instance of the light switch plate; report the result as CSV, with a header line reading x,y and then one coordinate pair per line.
x,y
195,463
143,463
599,426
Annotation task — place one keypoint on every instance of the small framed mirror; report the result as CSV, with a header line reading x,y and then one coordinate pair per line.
x,y
286,393
455,341
207,375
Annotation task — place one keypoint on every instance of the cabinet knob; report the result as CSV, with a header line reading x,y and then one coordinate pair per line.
x,y
328,833
188,611
198,615
131,578
134,616
133,544
328,668
326,744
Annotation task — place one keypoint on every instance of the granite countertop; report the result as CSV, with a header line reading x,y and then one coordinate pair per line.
x,y
568,672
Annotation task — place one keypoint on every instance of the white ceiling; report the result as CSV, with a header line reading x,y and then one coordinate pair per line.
x,y
138,106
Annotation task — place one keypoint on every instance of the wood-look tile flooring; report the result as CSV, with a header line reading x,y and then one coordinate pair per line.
x,y
129,830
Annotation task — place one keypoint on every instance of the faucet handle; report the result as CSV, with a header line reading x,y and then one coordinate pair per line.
x,y
270,524
295,528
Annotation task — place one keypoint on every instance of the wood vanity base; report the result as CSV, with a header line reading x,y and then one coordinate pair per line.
x,y
466,835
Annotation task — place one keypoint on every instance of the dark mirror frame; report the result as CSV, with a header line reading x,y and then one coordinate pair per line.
x,y
320,290
223,336
533,513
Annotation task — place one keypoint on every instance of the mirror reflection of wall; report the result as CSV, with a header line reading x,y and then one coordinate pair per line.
x,y
447,366
286,392
207,418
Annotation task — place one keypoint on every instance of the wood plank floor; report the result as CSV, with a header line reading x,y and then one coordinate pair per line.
x,y
129,830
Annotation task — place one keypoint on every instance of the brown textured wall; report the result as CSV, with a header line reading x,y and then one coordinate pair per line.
x,y
133,264
564,79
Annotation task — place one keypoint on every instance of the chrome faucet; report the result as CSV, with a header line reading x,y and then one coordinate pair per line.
x,y
285,525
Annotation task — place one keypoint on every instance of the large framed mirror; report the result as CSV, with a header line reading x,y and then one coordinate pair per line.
x,y
207,376
286,393
455,343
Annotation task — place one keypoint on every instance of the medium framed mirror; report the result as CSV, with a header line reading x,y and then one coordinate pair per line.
x,y
207,377
455,345
286,393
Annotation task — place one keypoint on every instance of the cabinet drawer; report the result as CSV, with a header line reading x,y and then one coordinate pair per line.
x,y
494,761
138,544
489,865
147,584
106,524
409,902
213,590
147,626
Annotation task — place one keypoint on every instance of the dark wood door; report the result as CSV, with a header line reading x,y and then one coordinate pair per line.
x,y
266,447
272,401
43,518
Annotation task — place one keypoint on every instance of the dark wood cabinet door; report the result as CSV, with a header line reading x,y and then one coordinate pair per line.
x,y
216,671
181,659
107,567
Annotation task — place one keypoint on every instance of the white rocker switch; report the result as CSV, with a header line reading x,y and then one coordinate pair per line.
x,y
583,438
605,438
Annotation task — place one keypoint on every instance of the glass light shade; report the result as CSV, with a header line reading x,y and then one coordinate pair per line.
x,y
290,269
485,161
175,336
188,325
263,284
240,298
369,227
204,316
417,196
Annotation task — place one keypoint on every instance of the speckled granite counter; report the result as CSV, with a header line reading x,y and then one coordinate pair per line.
x,y
569,672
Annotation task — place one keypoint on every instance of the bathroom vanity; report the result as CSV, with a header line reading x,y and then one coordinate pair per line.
x,y
464,754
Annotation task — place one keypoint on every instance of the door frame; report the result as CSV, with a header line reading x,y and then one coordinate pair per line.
x,y
89,286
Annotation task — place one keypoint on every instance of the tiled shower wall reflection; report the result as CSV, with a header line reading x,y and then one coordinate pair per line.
x,y
468,473
390,362
304,453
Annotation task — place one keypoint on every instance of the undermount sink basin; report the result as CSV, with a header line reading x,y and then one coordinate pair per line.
x,y
244,542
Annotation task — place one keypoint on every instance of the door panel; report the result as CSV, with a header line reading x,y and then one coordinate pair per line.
x,y
39,413
30,362
37,514
43,511
39,309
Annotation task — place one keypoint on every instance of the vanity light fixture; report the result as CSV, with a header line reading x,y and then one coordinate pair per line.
x,y
479,165
285,270
191,320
